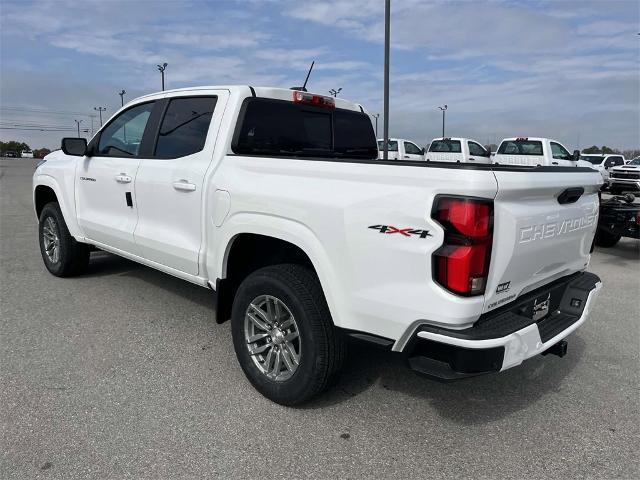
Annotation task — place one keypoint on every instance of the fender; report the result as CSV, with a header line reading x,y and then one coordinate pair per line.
x,y
67,205
287,230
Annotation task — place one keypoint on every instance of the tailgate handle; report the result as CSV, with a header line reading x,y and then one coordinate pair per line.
x,y
570,195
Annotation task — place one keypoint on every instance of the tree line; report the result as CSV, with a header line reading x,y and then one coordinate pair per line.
x,y
19,147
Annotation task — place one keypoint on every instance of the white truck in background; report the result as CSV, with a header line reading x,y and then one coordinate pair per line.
x,y
602,163
462,150
401,149
534,151
277,201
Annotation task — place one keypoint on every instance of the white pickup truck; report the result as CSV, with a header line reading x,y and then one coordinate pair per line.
x,y
401,149
463,150
276,200
534,152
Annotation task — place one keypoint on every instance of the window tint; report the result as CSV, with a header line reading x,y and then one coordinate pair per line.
x,y
559,152
185,126
617,161
520,147
393,145
123,136
412,148
446,146
282,128
477,150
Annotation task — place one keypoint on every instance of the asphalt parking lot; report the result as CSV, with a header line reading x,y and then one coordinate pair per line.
x,y
123,373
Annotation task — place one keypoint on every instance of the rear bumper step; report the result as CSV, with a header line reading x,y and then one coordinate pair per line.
x,y
506,337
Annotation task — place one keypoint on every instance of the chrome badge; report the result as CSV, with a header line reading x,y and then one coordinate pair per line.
x,y
540,310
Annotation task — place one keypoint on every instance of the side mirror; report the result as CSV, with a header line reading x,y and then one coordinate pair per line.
x,y
74,146
576,155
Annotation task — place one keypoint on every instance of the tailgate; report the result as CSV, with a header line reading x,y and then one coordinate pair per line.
x,y
538,239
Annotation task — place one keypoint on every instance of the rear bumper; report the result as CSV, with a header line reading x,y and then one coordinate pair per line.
x,y
506,337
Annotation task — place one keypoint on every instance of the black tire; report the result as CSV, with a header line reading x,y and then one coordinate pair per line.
x,y
606,239
322,346
73,256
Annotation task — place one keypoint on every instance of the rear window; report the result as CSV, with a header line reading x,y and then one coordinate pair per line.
x,y
393,145
282,128
520,147
445,146
593,159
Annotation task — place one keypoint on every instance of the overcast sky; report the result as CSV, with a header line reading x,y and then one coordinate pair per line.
x,y
561,69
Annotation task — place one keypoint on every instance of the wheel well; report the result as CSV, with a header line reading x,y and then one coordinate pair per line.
x,y
43,196
248,253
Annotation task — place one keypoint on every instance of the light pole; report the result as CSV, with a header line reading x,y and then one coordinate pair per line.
x,y
78,122
444,109
100,110
376,116
162,68
335,92
122,97
387,34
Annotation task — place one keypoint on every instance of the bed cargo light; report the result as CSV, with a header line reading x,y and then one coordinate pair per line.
x,y
461,264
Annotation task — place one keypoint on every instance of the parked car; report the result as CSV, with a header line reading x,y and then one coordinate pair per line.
x,y
602,163
534,151
463,150
27,154
619,217
11,154
401,149
625,177
276,200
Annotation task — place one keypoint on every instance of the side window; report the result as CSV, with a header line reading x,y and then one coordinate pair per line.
x,y
477,150
184,127
617,161
559,152
412,148
123,136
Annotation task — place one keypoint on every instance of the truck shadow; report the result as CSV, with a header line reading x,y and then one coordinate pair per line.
x,y
626,249
384,375
475,400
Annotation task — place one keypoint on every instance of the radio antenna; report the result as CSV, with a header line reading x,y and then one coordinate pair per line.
x,y
304,87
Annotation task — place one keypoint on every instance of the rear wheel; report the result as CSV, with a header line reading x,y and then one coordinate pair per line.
x,y
62,254
606,239
283,334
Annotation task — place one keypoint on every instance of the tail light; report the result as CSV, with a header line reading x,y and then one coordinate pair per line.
x,y
311,99
461,265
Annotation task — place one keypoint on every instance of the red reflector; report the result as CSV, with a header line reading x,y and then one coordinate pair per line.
x,y
461,265
311,99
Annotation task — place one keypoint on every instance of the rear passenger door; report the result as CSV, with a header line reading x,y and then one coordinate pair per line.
x,y
170,185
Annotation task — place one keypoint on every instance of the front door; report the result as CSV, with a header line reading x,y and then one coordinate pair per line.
x,y
412,151
170,187
105,196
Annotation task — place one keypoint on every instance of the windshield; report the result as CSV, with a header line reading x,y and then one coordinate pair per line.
x,y
282,128
445,146
635,161
520,147
595,159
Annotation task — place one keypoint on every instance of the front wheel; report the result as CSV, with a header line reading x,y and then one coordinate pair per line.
x,y
283,334
62,254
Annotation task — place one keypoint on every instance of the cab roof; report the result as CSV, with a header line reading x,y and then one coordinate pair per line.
x,y
260,92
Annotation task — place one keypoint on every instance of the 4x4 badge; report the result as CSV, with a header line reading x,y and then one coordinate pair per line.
x,y
407,232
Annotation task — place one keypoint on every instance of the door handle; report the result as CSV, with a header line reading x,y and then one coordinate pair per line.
x,y
184,185
123,178
472,159
406,156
